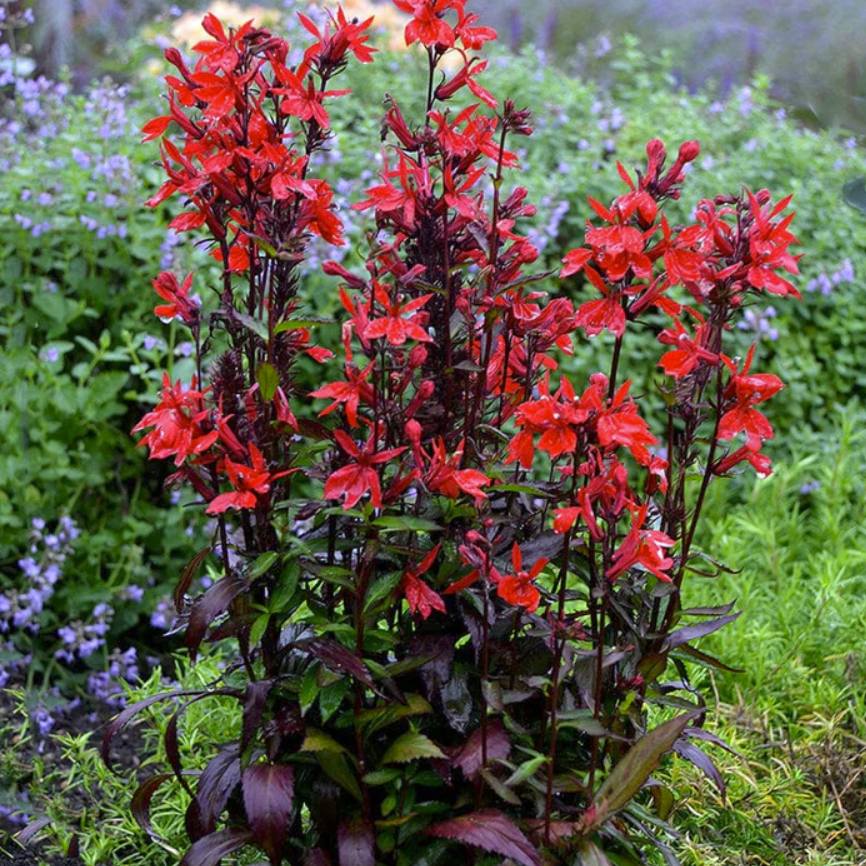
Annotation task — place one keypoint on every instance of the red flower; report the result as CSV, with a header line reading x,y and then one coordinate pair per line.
x,y
518,588
689,353
574,261
316,214
644,547
392,325
354,480
180,305
768,246
249,483
176,424
331,48
746,390
418,594
444,475
427,25
621,425
390,199
300,100
349,393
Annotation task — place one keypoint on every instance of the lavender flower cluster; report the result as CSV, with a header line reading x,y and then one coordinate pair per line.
x,y
20,609
826,282
93,184
759,323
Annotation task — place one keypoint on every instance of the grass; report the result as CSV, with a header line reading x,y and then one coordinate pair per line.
x,y
797,713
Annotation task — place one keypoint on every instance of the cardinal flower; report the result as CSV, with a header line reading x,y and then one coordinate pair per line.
x,y
518,588
361,476
644,547
180,305
421,598
745,390
349,394
176,424
248,482
395,325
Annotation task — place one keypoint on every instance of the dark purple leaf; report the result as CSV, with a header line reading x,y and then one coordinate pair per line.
x,y
210,850
170,739
709,737
721,610
268,795
356,843
491,831
693,632
703,762
215,786
254,706
337,658
189,572
32,829
469,757
317,857
708,660
121,720
140,805
206,609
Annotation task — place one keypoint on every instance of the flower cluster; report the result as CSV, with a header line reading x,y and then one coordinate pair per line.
x,y
41,569
468,553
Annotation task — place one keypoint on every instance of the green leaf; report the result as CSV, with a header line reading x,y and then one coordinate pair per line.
x,y
258,628
383,776
526,770
332,696
411,746
268,379
629,775
337,767
263,563
259,328
287,586
309,688
406,523
318,741
298,324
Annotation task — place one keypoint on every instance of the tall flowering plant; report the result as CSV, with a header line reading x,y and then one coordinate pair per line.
x,y
456,594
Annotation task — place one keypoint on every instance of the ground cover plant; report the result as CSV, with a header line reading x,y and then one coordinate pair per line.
x,y
453,602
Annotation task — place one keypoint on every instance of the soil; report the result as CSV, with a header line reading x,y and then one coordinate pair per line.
x,y
87,717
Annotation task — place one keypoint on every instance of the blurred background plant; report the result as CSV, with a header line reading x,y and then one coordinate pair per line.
x,y
88,546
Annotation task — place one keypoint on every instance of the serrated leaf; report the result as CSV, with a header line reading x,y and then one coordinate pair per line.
x,y
411,746
491,831
635,767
